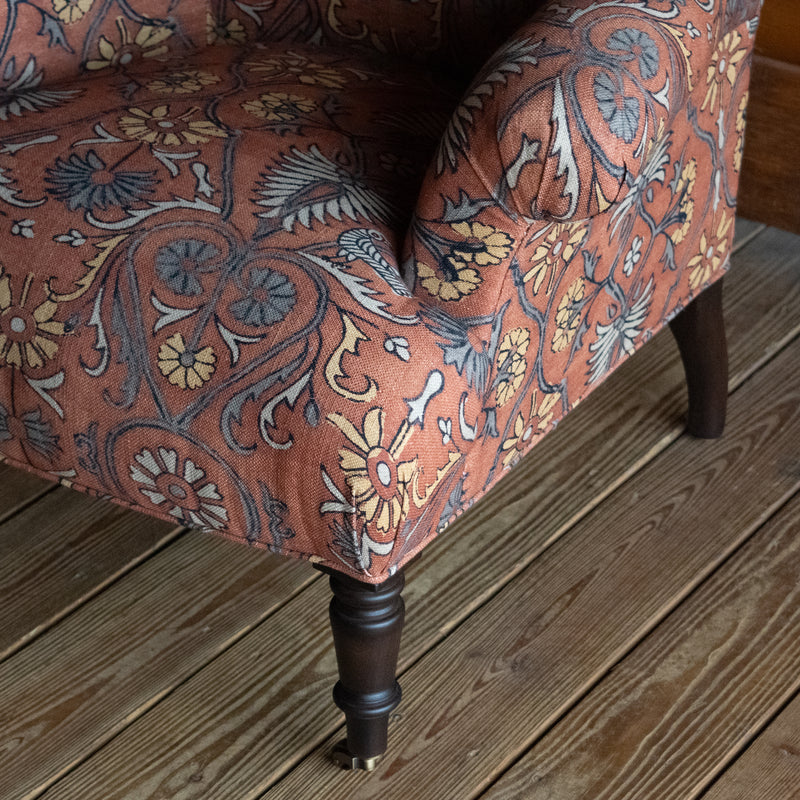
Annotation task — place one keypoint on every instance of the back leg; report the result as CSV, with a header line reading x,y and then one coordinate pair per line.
x,y
700,332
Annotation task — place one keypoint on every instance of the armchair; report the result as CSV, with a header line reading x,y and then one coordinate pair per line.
x,y
306,275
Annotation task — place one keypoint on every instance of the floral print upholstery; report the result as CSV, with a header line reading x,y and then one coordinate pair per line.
x,y
291,284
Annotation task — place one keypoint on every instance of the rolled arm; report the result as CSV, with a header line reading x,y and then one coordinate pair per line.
x,y
560,120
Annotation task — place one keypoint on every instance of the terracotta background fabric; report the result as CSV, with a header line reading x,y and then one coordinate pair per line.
x,y
303,275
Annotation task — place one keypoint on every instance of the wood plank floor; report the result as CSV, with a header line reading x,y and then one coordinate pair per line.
x,y
619,618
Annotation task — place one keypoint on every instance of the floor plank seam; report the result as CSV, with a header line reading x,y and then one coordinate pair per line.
x,y
666,442
680,599
9,515
777,348
94,592
458,615
747,744
745,240
147,707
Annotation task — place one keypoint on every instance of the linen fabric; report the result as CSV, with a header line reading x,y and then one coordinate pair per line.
x,y
276,271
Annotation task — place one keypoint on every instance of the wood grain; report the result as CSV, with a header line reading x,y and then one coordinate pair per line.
x,y
672,714
778,31
233,727
76,686
769,190
225,737
770,768
18,489
216,738
62,550
509,671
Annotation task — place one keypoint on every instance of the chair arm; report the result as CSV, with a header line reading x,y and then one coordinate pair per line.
x,y
560,120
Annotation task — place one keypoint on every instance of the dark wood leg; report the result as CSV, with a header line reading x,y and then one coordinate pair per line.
x,y
367,622
700,332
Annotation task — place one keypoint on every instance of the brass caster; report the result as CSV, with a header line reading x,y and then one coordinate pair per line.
x,y
346,760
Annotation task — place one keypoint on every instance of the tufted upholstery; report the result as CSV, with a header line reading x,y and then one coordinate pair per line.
x,y
232,295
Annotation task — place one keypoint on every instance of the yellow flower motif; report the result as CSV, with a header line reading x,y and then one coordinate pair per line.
x,y
712,253
685,188
482,244
148,43
514,343
184,368
185,82
24,334
554,252
511,364
279,106
299,69
459,280
380,484
722,67
231,32
70,11
158,127
741,117
568,315
524,430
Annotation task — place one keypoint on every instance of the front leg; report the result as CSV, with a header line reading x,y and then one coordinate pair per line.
x,y
366,621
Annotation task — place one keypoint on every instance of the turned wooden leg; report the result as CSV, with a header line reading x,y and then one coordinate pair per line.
x,y
700,332
367,621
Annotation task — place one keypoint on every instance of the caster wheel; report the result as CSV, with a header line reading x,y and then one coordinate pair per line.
x,y
346,760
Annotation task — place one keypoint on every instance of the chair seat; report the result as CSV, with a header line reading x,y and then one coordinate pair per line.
x,y
199,288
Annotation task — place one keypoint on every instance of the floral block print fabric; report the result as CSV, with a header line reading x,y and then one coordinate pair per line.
x,y
232,296
66,37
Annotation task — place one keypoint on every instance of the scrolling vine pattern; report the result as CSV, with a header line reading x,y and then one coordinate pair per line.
x,y
209,311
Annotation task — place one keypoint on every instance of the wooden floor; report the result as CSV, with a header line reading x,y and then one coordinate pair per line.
x,y
619,619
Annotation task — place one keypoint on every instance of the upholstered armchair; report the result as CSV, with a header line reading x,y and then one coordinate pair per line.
x,y
315,274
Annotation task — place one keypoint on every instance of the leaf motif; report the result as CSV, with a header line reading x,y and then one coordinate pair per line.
x,y
101,340
8,193
266,418
276,511
86,447
306,185
51,27
562,147
233,340
507,61
360,243
465,210
125,355
528,153
360,290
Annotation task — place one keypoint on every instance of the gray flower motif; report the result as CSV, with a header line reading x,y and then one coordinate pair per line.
x,y
635,44
180,263
179,487
73,237
88,183
619,111
268,298
633,255
397,345
23,227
